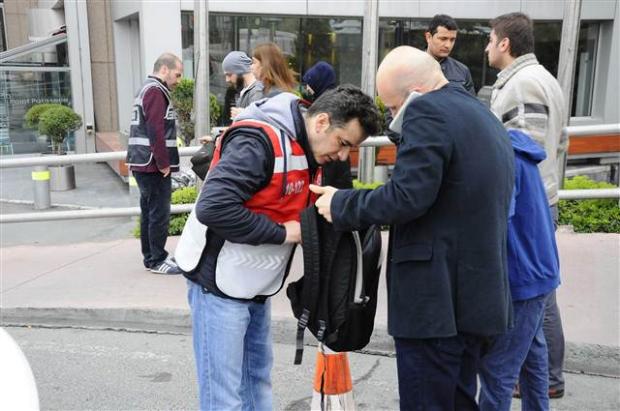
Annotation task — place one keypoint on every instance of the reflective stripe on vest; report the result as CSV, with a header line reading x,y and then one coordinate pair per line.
x,y
288,190
144,141
139,151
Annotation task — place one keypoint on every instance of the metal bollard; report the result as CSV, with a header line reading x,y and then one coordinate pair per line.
x,y
366,168
41,179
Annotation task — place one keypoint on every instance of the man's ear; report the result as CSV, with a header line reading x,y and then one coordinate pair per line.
x,y
322,121
428,36
504,45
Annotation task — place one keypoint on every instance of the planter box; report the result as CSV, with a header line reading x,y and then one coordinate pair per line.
x,y
62,178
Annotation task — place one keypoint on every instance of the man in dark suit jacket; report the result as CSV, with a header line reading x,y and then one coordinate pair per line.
x,y
447,206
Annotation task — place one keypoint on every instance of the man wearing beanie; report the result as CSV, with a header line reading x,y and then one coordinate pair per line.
x,y
319,78
237,68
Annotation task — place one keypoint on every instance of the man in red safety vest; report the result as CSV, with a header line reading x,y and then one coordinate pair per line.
x,y
238,242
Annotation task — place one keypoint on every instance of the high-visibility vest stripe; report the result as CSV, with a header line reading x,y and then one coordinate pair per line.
x,y
294,163
143,141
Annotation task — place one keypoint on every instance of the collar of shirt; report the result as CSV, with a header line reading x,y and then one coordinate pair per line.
x,y
302,136
160,80
520,62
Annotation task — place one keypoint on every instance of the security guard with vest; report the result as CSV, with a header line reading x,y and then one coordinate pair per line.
x,y
238,242
152,155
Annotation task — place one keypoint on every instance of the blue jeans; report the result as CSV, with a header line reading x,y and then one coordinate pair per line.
x,y
523,348
438,373
233,349
155,192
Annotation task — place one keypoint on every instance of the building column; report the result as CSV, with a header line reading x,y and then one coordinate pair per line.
x,y
157,38
76,17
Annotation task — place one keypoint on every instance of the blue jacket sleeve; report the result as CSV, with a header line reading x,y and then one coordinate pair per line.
x,y
420,160
241,172
516,190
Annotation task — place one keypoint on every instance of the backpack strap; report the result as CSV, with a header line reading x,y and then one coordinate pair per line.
x,y
359,296
312,267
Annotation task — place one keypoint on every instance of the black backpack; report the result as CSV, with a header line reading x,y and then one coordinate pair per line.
x,y
336,299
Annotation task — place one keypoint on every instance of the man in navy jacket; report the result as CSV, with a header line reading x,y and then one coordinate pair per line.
x,y
447,206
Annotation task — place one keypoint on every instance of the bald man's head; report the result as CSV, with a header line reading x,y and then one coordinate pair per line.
x,y
406,69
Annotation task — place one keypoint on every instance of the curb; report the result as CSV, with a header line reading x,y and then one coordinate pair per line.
x,y
579,357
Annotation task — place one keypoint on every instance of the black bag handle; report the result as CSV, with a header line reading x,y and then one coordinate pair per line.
x,y
312,267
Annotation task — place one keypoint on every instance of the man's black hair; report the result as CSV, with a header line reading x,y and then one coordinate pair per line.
x,y
518,28
441,20
345,103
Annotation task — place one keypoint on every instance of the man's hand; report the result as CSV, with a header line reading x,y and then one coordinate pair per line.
x,y
234,112
165,171
293,231
205,139
324,202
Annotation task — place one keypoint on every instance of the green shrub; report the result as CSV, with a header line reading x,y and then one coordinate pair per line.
x,y
382,112
185,195
33,114
56,122
588,216
183,101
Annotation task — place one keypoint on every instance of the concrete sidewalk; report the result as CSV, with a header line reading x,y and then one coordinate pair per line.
x,y
103,284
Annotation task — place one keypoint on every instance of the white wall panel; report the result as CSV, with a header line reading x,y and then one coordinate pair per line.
x,y
468,9
258,6
612,81
399,8
599,9
543,10
124,8
336,7
160,31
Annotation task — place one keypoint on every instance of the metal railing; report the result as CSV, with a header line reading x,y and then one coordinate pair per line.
x,y
41,164
612,193
592,130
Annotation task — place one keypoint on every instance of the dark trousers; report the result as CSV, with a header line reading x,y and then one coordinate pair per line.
x,y
155,192
438,373
554,332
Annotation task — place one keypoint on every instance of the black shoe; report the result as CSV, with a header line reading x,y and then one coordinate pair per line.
x,y
166,267
556,393
553,392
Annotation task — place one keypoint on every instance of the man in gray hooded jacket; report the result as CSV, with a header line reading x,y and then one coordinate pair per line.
x,y
528,98
237,68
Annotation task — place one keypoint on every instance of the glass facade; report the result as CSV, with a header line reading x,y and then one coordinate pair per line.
x,y
470,44
473,37
40,75
584,70
304,41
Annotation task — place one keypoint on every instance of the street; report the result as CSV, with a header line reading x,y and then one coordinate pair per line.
x,y
78,369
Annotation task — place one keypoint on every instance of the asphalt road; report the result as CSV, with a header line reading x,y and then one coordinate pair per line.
x,y
79,369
